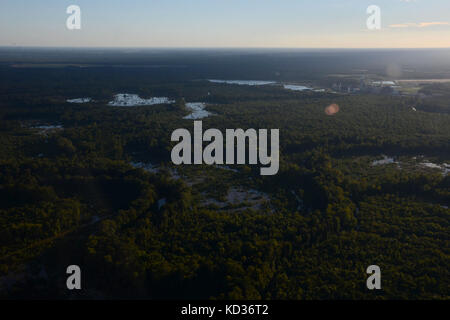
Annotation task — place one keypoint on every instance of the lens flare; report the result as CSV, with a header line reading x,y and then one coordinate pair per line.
x,y
332,109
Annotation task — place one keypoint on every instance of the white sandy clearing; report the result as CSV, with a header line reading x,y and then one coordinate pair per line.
x,y
198,111
132,100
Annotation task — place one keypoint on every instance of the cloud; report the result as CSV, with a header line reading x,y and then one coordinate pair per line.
x,y
419,25
428,24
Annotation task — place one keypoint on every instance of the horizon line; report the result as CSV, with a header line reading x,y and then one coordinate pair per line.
x,y
218,47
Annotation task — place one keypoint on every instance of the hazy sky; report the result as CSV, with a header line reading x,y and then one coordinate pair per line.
x,y
226,23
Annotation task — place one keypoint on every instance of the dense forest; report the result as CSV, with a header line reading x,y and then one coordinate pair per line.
x,y
71,192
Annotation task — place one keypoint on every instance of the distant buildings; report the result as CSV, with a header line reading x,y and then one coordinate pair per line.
x,y
368,86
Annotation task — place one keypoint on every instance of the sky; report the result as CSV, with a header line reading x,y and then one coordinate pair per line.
x,y
226,23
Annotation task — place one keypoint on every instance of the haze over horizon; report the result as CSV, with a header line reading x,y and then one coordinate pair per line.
x,y
232,24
